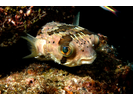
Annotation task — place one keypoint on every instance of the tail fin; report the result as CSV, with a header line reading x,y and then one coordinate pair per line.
x,y
31,41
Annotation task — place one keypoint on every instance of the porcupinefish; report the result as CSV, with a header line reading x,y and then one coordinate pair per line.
x,y
66,44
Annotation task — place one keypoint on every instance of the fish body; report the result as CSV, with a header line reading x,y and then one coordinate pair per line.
x,y
66,44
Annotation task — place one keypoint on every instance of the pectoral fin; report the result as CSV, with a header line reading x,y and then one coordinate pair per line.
x,y
31,42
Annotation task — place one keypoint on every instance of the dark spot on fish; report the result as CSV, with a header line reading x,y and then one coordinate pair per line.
x,y
66,27
65,40
50,33
85,31
76,34
49,42
63,60
62,28
77,41
87,46
82,50
53,41
57,31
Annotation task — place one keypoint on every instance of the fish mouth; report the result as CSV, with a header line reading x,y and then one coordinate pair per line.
x,y
87,60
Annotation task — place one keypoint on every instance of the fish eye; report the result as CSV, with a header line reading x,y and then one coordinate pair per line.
x,y
66,51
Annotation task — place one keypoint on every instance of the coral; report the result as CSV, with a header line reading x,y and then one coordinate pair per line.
x,y
15,21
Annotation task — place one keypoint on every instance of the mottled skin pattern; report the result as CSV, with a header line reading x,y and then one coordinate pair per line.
x,y
66,44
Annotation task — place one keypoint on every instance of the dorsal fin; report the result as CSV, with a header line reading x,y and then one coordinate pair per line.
x,y
76,19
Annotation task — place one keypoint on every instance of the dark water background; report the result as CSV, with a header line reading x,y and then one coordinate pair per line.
x,y
118,29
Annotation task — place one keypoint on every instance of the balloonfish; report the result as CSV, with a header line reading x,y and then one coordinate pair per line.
x,y
66,44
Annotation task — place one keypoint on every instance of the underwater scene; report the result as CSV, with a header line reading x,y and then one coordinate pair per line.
x,y
66,50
